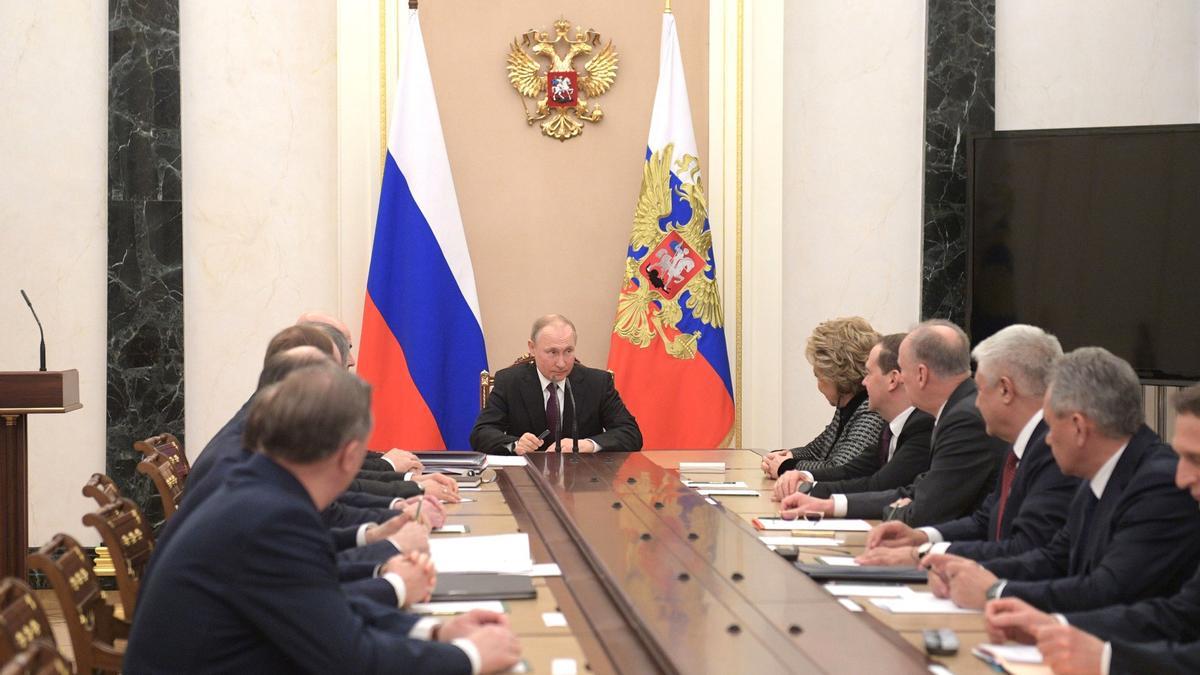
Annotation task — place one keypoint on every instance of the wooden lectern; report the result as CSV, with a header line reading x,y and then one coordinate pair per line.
x,y
21,395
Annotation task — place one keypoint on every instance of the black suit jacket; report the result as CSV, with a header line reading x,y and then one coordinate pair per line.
x,y
1161,658
253,572
1037,508
516,407
908,461
963,461
1142,540
1175,618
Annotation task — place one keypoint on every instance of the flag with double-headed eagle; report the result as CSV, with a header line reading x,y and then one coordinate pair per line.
x,y
668,345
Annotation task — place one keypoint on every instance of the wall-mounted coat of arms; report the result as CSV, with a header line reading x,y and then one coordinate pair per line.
x,y
561,92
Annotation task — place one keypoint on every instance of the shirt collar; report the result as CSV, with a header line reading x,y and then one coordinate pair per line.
x,y
1023,437
941,409
898,422
1100,480
545,382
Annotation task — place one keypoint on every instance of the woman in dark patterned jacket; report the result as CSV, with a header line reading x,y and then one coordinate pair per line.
x,y
837,350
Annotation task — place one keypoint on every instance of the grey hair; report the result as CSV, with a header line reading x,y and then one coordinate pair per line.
x,y
1024,353
1090,380
339,338
543,321
945,359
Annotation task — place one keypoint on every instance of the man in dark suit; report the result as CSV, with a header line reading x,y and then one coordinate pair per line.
x,y
935,367
531,403
249,583
903,446
1030,500
1161,635
1130,533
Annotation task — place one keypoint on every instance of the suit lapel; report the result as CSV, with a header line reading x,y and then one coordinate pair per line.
x,y
531,397
1100,528
1033,452
964,389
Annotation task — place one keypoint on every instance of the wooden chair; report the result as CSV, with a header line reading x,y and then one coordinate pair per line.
x,y
130,541
170,447
487,380
22,621
41,658
102,489
162,471
90,621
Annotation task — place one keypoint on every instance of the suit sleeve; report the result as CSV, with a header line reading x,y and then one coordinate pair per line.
x,y
287,590
621,432
339,514
372,554
870,505
859,442
491,431
1155,657
390,489
365,500
910,459
1168,618
960,471
374,462
971,527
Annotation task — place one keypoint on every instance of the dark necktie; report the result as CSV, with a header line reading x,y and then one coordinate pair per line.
x,y
552,410
1006,481
885,444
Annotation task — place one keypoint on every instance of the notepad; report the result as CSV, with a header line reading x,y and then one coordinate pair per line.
x,y
702,467
728,493
828,524
921,603
457,607
800,541
870,590
554,619
458,528
502,553
507,460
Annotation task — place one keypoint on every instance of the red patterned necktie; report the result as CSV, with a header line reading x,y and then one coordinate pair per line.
x,y
552,410
1010,470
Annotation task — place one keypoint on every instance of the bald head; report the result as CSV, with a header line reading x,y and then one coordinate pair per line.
x,y
550,320
279,365
942,346
337,329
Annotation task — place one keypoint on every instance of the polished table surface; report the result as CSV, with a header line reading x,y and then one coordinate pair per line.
x,y
658,578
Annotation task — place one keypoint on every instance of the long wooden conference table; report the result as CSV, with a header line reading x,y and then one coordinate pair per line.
x,y
657,578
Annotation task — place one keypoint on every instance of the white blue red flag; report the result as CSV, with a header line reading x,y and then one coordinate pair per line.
x,y
422,337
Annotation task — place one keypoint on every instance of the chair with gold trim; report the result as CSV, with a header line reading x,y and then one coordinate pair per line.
x,y
487,380
162,472
170,447
90,621
41,658
130,542
22,621
102,489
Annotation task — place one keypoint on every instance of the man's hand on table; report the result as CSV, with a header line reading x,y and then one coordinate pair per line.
x,y
439,485
901,556
403,461
787,483
964,581
797,504
433,514
527,443
1014,619
586,445
894,533
1070,651
772,460
418,573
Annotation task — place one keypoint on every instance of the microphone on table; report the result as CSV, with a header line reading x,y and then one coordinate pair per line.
x,y
558,430
42,346
574,414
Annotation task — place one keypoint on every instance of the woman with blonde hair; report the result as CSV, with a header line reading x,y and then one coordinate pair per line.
x,y
837,350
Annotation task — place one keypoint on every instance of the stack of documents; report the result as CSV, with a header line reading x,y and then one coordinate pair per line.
x,y
826,525
1016,659
921,603
501,553
727,488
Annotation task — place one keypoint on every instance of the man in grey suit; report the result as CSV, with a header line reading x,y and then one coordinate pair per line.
x,y
935,366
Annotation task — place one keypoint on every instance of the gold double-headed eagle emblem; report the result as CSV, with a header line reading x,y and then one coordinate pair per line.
x,y
560,87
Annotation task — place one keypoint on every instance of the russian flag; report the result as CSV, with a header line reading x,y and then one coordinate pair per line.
x,y
668,352
422,337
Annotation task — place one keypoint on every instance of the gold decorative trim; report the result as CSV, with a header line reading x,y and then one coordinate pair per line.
x,y
737,349
382,84
34,411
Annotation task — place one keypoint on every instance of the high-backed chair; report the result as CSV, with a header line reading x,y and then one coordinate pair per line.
x,y
22,621
161,470
90,621
130,542
170,447
102,489
41,658
487,380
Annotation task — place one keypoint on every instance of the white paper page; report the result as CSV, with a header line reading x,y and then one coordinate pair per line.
x,y
828,525
1012,653
544,570
716,485
702,467
870,590
554,619
840,560
504,553
506,460
919,604
457,528
457,607
850,604
728,493
800,541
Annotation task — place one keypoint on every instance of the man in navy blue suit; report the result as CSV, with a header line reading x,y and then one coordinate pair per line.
x,y
1130,533
1154,636
249,582
1029,503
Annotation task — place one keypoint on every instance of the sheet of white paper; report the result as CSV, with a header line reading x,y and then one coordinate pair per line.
x,y
544,570
939,669
1012,653
870,590
702,467
850,604
842,560
712,501
506,460
554,619
457,528
828,525
918,603
800,541
728,493
716,485
457,607
563,667
465,500
503,553
470,489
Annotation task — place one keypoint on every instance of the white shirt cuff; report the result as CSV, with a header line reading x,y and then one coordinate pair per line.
x,y
935,537
409,475
360,538
423,629
1061,619
598,448
804,475
840,506
472,653
390,462
1105,659
397,583
397,504
940,547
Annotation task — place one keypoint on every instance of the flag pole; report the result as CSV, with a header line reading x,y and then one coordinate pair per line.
x,y
667,9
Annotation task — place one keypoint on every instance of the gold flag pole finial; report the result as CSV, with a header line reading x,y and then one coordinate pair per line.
x,y
667,10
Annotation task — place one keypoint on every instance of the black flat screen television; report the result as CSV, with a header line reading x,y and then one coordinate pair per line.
x,y
1094,235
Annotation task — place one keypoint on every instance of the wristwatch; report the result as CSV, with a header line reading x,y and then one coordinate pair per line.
x,y
924,550
804,486
995,589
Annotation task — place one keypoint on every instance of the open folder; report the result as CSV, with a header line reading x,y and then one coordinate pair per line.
x,y
483,586
903,575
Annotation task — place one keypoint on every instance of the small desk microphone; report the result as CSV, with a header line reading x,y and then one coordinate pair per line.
x,y
42,346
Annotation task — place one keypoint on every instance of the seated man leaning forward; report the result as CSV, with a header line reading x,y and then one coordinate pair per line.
x,y
531,404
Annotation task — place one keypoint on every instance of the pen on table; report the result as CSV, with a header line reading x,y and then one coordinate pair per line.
x,y
892,509
417,518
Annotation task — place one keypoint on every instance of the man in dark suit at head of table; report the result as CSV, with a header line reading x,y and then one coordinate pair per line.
x,y
533,404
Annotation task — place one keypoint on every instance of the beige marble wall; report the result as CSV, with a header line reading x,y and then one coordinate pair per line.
x,y
53,236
